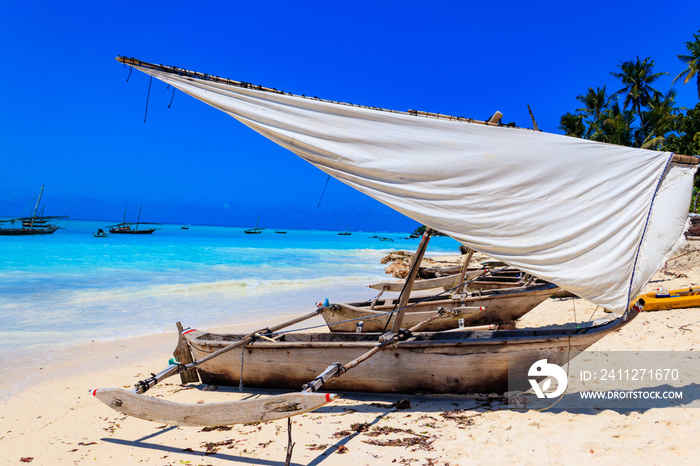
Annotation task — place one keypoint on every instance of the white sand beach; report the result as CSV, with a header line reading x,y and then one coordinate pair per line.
x,y
53,419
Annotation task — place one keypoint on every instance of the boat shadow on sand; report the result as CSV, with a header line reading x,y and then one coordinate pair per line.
x,y
381,405
626,401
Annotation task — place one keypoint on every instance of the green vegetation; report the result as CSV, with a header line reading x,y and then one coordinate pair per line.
x,y
647,117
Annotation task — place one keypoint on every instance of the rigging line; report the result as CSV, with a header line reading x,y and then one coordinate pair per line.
x,y
591,316
131,70
172,97
324,190
646,225
147,97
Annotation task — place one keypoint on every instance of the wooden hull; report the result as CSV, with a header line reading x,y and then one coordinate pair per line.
x,y
677,299
477,279
27,231
119,231
447,362
501,306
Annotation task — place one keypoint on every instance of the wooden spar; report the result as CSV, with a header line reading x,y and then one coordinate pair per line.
x,y
230,82
410,278
495,118
173,369
534,123
212,414
463,273
336,370
38,200
135,404
685,159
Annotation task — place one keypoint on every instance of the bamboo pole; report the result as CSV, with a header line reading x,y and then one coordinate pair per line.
x,y
412,274
685,159
463,273
337,369
173,369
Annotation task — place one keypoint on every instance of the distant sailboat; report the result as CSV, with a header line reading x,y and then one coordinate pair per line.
x,y
130,228
34,225
256,230
345,233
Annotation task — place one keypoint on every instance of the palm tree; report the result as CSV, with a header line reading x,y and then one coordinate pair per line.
x,y
657,121
595,101
637,78
572,125
614,126
692,60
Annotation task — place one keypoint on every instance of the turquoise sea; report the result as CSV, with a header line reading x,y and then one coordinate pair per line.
x,y
69,288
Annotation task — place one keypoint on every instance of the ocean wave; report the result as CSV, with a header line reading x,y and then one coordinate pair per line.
x,y
230,288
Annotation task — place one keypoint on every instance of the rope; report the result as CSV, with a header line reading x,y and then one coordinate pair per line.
x,y
644,232
240,382
324,190
171,98
147,97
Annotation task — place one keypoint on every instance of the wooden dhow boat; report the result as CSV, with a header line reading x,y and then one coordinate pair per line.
x,y
595,219
256,230
131,228
515,298
34,224
426,362
478,308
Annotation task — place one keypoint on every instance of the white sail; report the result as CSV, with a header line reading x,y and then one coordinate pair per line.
x,y
581,214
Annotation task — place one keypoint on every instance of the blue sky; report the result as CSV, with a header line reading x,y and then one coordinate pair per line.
x,y
72,122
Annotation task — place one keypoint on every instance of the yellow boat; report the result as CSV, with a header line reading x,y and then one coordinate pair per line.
x,y
675,299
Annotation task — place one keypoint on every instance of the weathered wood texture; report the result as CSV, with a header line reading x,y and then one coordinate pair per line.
x,y
427,284
212,414
412,275
184,356
451,362
501,306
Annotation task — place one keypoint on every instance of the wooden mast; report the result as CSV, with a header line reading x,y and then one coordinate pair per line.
x,y
410,278
38,200
463,273
534,123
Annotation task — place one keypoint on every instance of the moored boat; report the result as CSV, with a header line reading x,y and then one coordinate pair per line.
x,y
131,228
489,307
440,362
256,230
33,225
565,210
